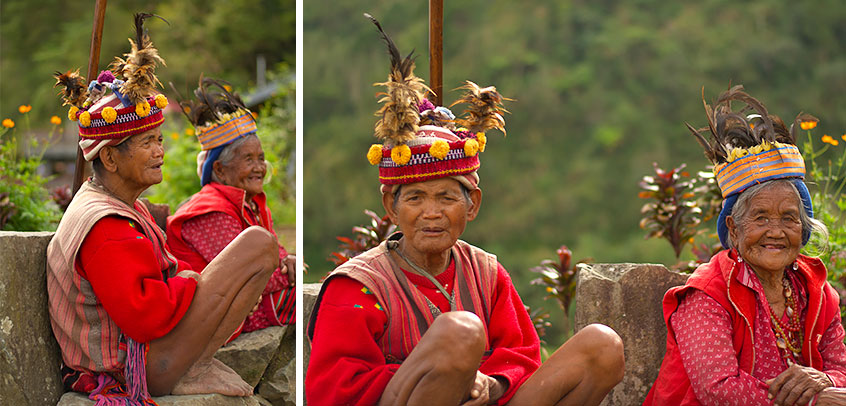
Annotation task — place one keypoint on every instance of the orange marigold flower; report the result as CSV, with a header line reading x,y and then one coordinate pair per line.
x,y
8,123
56,120
807,125
827,139
24,108
843,137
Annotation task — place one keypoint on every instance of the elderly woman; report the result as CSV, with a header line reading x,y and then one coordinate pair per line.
x,y
432,319
127,315
758,324
232,172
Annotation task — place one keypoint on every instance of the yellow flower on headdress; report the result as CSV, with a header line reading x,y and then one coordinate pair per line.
x,y
483,140
374,155
109,114
161,101
85,119
8,123
471,147
142,109
439,149
72,113
55,120
401,154
24,108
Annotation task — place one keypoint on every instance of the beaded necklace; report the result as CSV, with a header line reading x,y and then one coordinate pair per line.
x,y
789,335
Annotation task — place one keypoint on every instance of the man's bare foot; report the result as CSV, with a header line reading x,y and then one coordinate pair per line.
x,y
211,376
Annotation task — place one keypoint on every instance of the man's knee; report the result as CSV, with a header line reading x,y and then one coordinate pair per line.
x,y
460,335
261,244
605,349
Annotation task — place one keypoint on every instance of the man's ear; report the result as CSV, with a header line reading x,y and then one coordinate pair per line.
x,y
388,204
476,199
109,156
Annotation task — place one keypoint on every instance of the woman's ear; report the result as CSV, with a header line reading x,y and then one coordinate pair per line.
x,y
109,156
732,229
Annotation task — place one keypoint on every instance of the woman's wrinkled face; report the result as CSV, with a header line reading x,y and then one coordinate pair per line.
x,y
769,236
246,170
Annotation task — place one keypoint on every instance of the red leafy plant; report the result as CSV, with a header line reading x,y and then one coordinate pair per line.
x,y
364,238
559,279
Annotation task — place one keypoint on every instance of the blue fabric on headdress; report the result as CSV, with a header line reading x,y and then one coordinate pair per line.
x,y
212,156
728,205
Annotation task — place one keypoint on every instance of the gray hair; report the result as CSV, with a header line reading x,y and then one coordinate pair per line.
x,y
228,153
818,231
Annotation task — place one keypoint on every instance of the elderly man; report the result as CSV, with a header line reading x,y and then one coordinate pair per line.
x,y
127,315
426,318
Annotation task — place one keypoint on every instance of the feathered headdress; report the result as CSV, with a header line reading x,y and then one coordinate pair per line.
x,y
423,141
219,117
750,146
133,107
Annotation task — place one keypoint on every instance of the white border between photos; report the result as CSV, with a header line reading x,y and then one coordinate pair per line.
x,y
299,206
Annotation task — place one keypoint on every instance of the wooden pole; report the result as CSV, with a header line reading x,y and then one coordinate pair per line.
x,y
93,66
436,50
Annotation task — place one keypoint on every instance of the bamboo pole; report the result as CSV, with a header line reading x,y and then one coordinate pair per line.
x,y
93,66
436,50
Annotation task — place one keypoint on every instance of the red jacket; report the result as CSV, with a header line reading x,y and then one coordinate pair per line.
x,y
718,279
213,197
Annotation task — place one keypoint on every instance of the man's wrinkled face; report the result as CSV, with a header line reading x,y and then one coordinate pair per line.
x,y
431,214
141,162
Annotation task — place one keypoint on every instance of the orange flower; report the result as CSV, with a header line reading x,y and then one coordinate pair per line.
x,y
829,140
56,120
24,108
8,123
807,124
843,137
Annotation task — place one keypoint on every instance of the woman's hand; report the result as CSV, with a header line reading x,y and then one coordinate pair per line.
x,y
797,385
486,390
289,267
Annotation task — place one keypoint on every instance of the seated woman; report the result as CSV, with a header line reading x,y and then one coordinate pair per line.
x,y
232,171
758,324
127,315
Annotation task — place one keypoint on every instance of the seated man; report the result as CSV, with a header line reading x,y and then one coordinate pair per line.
x,y
428,319
127,315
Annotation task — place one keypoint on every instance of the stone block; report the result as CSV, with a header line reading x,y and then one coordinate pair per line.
x,y
279,385
77,399
310,292
29,354
627,298
251,353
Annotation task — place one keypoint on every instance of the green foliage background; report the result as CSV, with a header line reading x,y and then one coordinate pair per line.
x,y
602,90
216,38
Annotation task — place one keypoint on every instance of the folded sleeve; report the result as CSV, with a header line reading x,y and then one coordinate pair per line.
x,y
120,264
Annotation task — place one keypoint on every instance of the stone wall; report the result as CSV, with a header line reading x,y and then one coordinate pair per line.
x,y
30,356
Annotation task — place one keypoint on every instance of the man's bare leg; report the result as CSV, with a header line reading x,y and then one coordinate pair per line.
x,y
580,372
442,367
226,292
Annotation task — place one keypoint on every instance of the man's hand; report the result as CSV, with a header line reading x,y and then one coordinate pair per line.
x,y
832,397
189,274
289,267
486,390
797,385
